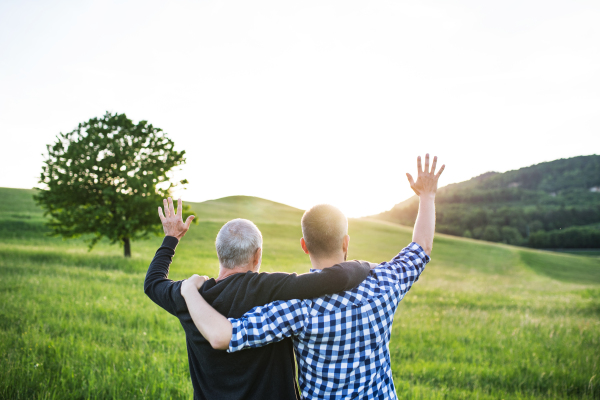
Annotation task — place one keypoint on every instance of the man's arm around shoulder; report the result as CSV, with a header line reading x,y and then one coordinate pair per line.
x,y
338,278
212,325
260,326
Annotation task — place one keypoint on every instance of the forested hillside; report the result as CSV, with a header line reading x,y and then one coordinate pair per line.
x,y
554,204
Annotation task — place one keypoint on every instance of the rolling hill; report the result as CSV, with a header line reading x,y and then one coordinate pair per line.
x,y
485,320
549,205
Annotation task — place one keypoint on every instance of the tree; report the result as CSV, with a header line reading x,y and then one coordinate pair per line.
x,y
535,226
491,234
511,235
106,178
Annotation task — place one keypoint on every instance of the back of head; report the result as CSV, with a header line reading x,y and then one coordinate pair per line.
x,y
324,228
237,243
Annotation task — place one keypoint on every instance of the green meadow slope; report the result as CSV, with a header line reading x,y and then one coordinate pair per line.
x,y
485,321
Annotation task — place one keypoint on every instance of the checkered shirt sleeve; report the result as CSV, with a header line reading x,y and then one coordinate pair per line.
x,y
404,269
267,324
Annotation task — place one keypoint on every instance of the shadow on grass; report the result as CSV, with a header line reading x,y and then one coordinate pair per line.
x,y
566,268
22,258
21,227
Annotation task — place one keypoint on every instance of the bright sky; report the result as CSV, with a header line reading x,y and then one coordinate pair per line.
x,y
305,102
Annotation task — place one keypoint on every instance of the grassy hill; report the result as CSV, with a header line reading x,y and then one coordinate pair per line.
x,y
485,321
548,205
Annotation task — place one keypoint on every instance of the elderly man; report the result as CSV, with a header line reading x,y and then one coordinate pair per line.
x,y
264,373
341,341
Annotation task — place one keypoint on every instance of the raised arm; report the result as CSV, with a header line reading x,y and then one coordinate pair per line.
x,y
408,265
425,187
157,284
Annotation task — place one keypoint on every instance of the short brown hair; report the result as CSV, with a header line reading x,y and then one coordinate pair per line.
x,y
324,228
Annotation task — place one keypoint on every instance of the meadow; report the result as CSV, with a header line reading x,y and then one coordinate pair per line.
x,y
485,321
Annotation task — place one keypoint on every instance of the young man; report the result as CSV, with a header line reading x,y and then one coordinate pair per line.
x,y
341,340
264,373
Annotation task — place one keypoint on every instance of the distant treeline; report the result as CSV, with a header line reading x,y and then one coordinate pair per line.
x,y
549,205
574,237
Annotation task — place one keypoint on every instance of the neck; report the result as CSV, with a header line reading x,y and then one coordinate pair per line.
x,y
227,272
326,262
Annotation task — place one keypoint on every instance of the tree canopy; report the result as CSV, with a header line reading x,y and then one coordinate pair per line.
x,y
106,178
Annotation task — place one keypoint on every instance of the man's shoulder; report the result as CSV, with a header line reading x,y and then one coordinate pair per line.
x,y
248,277
213,289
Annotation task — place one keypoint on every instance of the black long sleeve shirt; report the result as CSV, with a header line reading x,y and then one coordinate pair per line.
x,y
263,373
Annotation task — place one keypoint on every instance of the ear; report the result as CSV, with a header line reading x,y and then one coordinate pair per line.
x,y
257,256
345,243
303,244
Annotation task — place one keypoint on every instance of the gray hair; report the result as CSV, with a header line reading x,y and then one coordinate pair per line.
x,y
237,243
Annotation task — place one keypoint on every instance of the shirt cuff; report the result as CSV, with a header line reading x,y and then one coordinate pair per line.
x,y
238,335
416,249
170,242
416,257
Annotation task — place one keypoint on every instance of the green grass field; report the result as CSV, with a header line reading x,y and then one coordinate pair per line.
x,y
485,321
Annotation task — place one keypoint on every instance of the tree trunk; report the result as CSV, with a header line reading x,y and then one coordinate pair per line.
x,y
127,246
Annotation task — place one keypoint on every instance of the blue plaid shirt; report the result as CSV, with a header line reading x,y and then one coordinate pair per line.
x,y
341,341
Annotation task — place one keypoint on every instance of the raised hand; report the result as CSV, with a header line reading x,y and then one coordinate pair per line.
x,y
172,221
427,180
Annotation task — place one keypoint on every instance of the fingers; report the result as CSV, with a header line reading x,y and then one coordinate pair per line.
x,y
188,221
160,214
197,280
434,164
440,171
171,207
166,207
410,179
200,277
203,279
412,184
426,169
